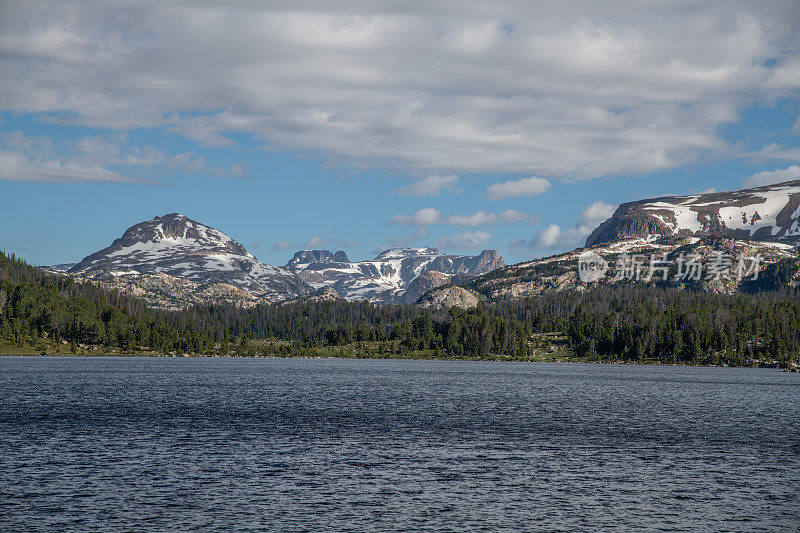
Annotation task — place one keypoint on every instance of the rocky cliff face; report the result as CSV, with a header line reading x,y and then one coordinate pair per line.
x,y
769,213
417,287
449,296
304,258
386,278
184,249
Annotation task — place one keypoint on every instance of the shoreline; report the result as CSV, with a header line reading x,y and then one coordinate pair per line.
x,y
773,365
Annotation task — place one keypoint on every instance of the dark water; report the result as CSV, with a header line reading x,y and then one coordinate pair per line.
x,y
235,444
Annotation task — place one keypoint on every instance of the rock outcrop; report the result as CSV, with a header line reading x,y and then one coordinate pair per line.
x,y
449,296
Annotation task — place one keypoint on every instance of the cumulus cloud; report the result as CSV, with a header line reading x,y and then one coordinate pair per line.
x,y
512,87
549,237
554,237
769,177
532,186
430,217
465,241
596,213
430,186
424,217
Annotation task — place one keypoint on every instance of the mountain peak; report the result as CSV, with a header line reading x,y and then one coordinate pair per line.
x,y
768,213
309,257
176,231
178,246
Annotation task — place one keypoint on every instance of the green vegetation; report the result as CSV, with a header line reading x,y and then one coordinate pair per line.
x,y
42,313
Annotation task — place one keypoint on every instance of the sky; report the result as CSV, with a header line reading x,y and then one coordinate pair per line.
x,y
466,125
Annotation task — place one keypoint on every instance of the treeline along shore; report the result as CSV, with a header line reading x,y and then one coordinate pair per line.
x,y
44,313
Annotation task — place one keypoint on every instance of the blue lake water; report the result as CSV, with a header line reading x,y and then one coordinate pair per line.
x,y
147,444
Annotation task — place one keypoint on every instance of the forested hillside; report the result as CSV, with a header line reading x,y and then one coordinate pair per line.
x,y
628,323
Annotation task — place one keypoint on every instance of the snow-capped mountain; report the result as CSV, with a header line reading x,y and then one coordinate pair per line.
x,y
183,248
770,213
763,222
387,277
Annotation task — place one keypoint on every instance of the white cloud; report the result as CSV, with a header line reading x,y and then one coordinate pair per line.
x,y
549,237
575,89
430,186
776,152
92,158
510,216
424,217
555,237
532,186
15,166
769,177
596,213
465,241
482,218
430,217
479,218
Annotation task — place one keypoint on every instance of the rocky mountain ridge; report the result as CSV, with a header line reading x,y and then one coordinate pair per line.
x,y
394,276
173,261
769,213
730,226
778,265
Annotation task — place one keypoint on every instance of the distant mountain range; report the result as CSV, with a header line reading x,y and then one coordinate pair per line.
x,y
173,261
397,275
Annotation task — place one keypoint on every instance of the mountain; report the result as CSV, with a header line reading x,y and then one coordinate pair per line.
x,y
173,262
763,222
304,258
768,213
172,250
388,277
779,266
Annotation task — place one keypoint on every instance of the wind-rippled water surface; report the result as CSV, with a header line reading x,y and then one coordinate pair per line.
x,y
146,444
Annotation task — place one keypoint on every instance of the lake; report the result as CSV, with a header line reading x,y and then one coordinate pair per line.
x,y
210,444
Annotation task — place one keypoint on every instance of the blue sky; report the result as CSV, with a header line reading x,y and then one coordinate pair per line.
x,y
363,126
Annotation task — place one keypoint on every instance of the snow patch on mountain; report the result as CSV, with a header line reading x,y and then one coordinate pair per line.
x,y
386,277
769,213
180,247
